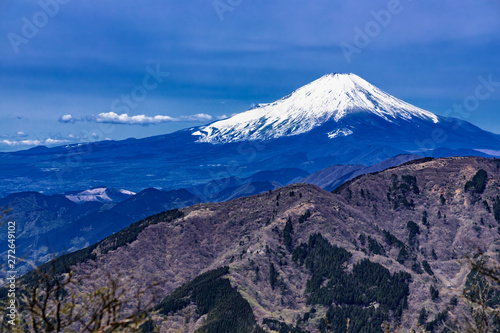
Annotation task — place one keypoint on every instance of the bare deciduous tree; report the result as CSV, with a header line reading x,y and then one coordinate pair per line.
x,y
61,303
481,297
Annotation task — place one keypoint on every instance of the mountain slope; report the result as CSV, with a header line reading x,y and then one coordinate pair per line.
x,y
217,189
152,201
50,225
335,175
413,223
38,213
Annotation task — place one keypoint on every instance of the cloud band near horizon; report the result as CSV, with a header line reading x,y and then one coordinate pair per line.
x,y
48,141
143,120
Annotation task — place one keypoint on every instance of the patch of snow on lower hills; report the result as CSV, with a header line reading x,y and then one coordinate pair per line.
x,y
127,192
94,191
340,132
98,194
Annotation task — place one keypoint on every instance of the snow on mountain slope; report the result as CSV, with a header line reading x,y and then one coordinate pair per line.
x,y
100,194
340,132
331,97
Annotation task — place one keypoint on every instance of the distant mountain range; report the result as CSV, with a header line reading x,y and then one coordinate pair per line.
x,y
337,119
333,176
49,225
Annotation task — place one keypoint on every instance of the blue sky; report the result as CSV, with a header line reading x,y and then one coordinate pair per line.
x,y
66,65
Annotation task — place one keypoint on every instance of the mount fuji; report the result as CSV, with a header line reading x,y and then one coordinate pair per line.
x,y
333,97
337,119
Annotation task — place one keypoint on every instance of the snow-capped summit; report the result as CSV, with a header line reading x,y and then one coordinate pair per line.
x,y
329,98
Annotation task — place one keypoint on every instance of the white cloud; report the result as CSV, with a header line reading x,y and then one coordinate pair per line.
x,y
114,118
197,117
125,119
67,118
48,141
22,142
